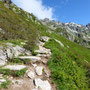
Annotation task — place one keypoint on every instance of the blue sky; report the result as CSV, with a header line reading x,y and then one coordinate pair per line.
x,y
77,11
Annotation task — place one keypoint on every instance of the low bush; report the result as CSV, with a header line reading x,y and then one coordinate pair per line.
x,y
19,73
5,71
66,72
8,72
5,84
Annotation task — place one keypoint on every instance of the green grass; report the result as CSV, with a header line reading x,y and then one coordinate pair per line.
x,y
68,72
17,27
5,71
19,61
8,72
76,49
20,73
5,84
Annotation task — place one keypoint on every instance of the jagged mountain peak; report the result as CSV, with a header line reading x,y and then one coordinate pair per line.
x,y
72,31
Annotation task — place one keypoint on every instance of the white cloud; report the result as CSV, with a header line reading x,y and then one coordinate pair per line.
x,y
36,7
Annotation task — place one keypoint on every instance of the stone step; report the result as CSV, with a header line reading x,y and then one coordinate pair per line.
x,y
2,80
15,67
32,58
43,85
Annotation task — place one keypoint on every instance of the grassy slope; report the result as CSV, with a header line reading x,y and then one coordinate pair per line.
x,y
68,65
82,52
16,26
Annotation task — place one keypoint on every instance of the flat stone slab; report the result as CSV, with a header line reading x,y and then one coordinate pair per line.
x,y
43,85
31,74
15,67
39,70
43,50
33,58
2,80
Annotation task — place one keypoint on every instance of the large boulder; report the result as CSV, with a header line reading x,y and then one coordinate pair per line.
x,y
43,85
14,51
10,52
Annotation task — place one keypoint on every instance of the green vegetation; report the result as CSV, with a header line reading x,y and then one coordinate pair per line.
x,y
8,72
70,65
66,70
5,72
5,84
20,73
16,27
78,50
19,61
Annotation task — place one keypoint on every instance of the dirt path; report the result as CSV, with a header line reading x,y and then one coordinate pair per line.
x,y
28,82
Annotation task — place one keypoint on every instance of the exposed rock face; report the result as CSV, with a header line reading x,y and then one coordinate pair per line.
x,y
9,51
14,51
43,85
2,63
3,58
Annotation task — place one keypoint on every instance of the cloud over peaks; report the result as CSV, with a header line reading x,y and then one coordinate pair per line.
x,y
36,7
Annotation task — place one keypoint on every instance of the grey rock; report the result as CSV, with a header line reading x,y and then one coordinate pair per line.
x,y
3,58
59,42
44,38
39,70
15,67
31,74
32,58
43,85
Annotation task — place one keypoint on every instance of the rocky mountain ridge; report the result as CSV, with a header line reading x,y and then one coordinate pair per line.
x,y
72,31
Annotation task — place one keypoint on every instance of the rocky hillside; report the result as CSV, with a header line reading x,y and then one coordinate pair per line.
x,y
40,55
72,31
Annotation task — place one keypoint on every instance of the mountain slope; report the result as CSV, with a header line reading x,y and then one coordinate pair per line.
x,y
18,24
24,36
72,31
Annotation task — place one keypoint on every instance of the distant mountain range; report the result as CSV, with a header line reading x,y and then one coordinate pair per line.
x,y
72,31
